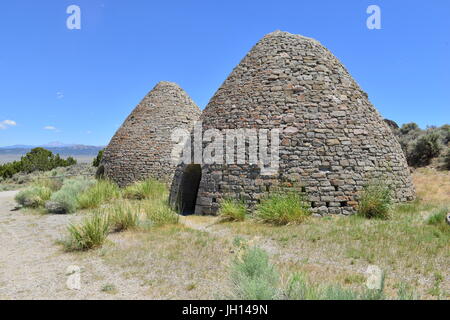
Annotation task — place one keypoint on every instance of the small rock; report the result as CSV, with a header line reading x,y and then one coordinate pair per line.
x,y
55,207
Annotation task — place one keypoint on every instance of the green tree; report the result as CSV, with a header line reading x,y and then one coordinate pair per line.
x,y
98,159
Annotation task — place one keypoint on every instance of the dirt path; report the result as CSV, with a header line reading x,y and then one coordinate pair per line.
x,y
33,266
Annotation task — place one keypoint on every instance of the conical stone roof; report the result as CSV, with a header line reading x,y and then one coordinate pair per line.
x,y
333,140
142,146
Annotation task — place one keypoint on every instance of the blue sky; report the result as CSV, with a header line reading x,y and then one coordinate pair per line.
x,y
77,86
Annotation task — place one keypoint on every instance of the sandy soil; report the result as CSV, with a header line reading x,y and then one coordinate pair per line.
x,y
33,265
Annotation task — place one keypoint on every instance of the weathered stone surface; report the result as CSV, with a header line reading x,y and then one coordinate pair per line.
x,y
330,134
55,207
142,146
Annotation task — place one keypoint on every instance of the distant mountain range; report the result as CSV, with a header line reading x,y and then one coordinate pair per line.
x,y
55,147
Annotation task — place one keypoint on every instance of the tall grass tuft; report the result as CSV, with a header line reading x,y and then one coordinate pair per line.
x,y
282,209
101,192
123,216
158,212
437,219
253,277
147,189
375,200
232,210
67,196
33,197
90,233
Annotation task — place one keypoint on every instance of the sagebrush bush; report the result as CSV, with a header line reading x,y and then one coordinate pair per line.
x,y
283,209
158,212
52,184
375,200
123,216
447,160
67,196
102,191
425,149
147,189
33,197
253,277
232,210
90,233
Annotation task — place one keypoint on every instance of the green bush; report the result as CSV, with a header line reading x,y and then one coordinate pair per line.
x,y
253,277
123,216
101,192
147,189
34,197
281,209
38,159
90,233
375,200
68,195
232,210
98,159
447,160
425,149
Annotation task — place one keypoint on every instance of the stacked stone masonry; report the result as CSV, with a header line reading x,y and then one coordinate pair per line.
x,y
333,141
142,147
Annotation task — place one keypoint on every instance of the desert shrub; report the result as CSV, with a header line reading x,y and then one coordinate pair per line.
x,y
253,277
447,160
34,197
90,233
375,200
158,212
98,158
101,192
123,216
52,184
283,209
425,149
38,159
232,210
67,196
147,189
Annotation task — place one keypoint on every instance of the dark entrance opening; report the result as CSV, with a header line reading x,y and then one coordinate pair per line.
x,y
189,189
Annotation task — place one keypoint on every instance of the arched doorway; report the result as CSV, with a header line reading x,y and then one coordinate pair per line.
x,y
187,193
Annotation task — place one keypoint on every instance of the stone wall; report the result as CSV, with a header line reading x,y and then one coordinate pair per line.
x,y
142,146
333,141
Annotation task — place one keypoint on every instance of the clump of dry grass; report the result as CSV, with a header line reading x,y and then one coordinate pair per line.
x,y
375,200
101,192
123,216
90,233
232,210
282,209
147,189
158,212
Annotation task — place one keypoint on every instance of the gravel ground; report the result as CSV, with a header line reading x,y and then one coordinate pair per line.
x,y
33,266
